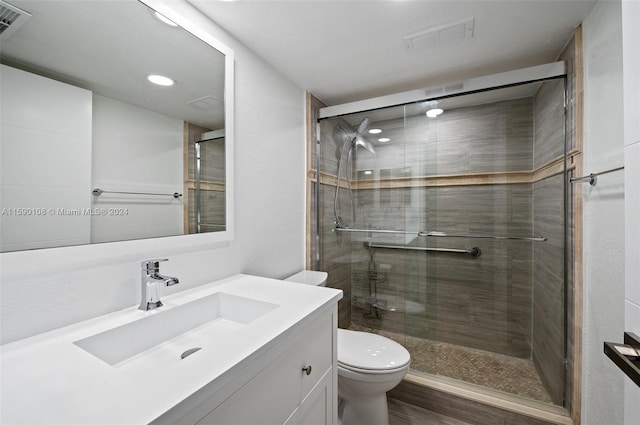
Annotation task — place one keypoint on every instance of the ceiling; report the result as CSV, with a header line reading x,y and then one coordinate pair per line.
x,y
347,50
110,46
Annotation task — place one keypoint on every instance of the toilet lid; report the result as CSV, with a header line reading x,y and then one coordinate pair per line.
x,y
367,351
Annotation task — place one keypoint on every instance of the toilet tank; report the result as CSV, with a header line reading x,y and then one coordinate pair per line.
x,y
309,277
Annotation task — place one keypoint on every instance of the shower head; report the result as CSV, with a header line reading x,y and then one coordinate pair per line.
x,y
358,140
363,127
361,141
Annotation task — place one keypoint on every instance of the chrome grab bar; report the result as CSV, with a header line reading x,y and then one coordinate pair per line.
x,y
97,192
512,238
475,251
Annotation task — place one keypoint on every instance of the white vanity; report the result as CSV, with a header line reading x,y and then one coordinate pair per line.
x,y
243,350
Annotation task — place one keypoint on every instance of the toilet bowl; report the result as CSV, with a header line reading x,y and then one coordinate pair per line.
x,y
369,365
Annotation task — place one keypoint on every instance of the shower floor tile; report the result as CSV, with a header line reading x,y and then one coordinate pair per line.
x,y
499,372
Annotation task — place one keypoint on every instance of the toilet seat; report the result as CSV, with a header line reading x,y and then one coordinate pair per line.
x,y
368,353
371,371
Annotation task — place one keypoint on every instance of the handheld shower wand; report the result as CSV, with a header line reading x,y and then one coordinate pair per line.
x,y
348,147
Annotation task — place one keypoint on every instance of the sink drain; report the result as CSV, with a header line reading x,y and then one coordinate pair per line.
x,y
189,352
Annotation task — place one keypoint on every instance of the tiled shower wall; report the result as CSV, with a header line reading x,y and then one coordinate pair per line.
x,y
482,302
548,329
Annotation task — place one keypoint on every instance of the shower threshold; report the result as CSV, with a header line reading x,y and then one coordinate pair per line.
x,y
478,400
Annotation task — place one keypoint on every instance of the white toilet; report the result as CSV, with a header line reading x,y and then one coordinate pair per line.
x,y
369,365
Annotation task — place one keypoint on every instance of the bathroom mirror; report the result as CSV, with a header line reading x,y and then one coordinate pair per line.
x,y
91,150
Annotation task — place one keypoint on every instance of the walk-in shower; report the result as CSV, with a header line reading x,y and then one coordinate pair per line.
x,y
457,243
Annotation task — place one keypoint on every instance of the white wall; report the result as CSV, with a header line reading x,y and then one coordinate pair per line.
x,y
604,232
45,151
135,150
631,77
46,289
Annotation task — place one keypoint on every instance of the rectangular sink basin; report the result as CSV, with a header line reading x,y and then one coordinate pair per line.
x,y
123,342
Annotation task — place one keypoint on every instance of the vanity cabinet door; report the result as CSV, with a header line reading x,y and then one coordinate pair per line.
x,y
267,399
316,352
271,396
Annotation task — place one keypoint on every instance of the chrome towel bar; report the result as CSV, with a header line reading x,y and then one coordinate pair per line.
x,y
475,251
511,238
97,192
593,177
445,235
397,232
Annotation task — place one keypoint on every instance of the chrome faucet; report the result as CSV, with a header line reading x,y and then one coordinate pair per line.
x,y
151,278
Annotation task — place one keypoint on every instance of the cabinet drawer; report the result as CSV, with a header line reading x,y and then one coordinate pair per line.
x,y
275,392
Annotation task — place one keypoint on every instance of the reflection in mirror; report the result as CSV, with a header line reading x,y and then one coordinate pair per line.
x,y
206,168
91,150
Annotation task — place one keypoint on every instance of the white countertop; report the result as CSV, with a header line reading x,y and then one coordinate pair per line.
x,y
48,379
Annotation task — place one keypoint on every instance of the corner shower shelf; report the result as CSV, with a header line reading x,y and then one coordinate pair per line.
x,y
629,364
365,302
366,276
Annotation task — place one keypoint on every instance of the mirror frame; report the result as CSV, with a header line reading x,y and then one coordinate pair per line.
x,y
194,22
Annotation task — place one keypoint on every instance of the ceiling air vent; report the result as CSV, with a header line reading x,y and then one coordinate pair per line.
x,y
206,102
434,37
11,18
439,91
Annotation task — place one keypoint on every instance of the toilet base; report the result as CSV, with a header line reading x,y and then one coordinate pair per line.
x,y
364,411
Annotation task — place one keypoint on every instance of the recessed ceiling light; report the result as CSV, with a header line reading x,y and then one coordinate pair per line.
x,y
368,172
165,20
375,131
160,80
434,112
433,109
384,140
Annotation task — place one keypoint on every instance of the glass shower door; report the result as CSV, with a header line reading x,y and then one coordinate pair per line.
x,y
207,198
492,203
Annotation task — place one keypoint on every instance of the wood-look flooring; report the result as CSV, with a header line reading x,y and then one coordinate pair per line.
x,y
401,413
